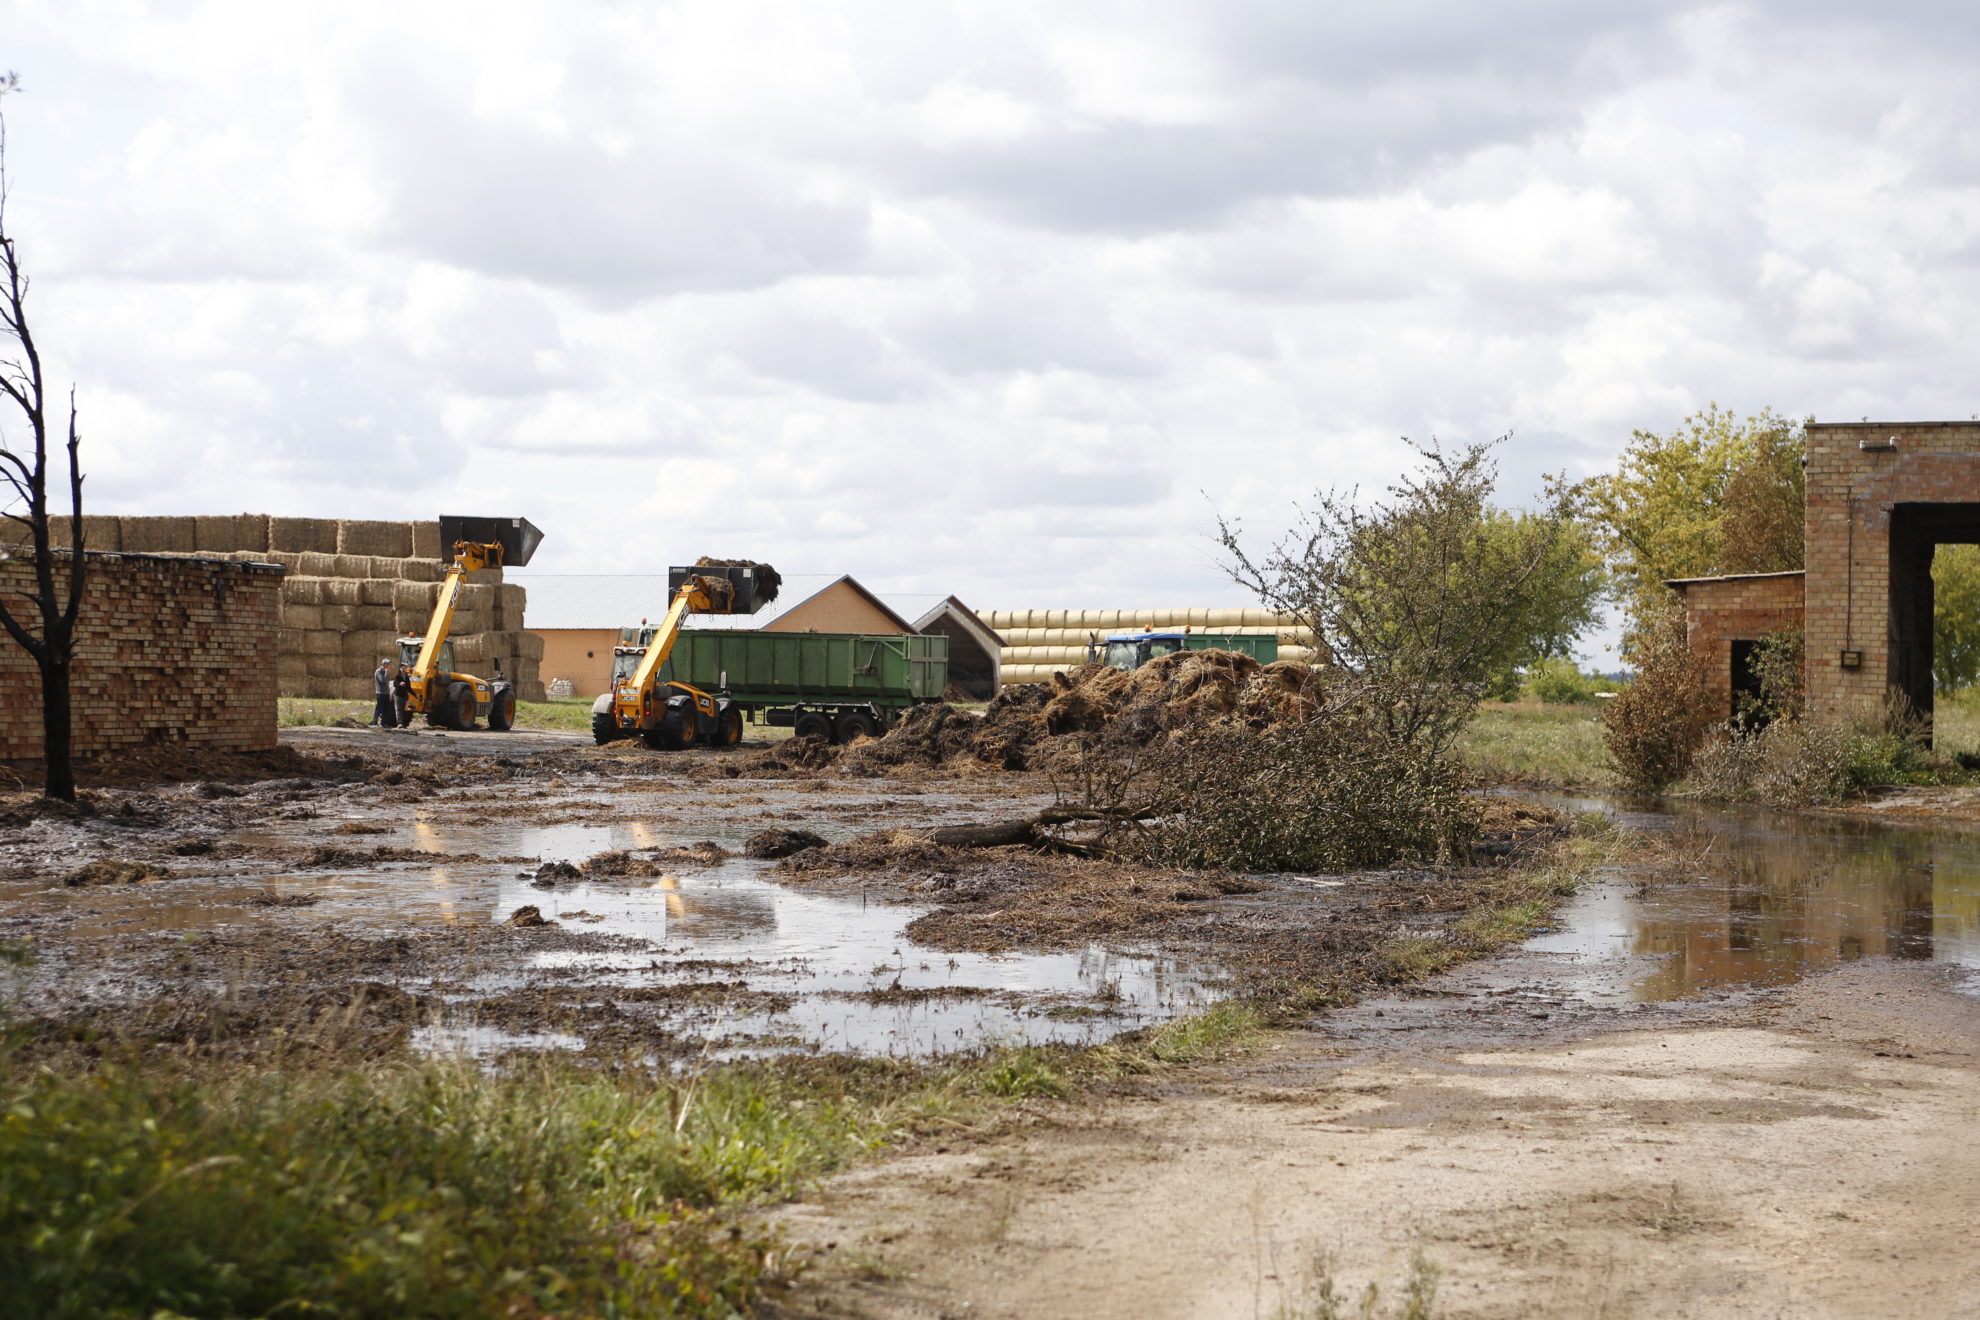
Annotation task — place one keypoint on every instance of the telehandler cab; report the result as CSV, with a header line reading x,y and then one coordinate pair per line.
x,y
450,699
678,715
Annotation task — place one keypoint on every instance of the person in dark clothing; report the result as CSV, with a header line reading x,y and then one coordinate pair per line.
x,y
402,698
382,714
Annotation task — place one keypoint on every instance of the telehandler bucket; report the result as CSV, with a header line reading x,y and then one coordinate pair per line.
x,y
755,584
518,537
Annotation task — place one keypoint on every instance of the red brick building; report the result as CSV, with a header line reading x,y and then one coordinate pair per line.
x,y
1881,497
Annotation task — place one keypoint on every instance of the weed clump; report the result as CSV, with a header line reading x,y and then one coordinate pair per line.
x,y
1655,725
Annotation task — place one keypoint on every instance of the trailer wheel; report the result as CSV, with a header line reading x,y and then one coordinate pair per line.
x,y
856,724
728,728
812,724
603,730
502,710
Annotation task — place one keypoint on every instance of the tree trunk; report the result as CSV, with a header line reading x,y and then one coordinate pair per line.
x,y
56,729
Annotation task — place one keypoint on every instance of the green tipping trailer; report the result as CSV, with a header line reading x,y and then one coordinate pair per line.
x,y
834,686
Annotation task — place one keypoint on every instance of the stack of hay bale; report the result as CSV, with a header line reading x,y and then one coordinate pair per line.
x,y
1039,643
352,590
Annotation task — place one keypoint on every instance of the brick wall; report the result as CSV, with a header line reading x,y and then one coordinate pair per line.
x,y
171,650
354,587
1722,610
1855,511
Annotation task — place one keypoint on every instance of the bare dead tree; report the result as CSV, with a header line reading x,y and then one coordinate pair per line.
x,y
27,473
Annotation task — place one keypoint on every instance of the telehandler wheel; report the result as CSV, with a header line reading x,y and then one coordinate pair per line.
x,y
813,724
502,710
679,727
460,707
728,728
856,724
604,730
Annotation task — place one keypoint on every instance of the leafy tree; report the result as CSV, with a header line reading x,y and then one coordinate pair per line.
x,y
1717,495
1955,617
26,503
1430,594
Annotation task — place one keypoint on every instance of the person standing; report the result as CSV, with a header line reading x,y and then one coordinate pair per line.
x,y
382,714
402,697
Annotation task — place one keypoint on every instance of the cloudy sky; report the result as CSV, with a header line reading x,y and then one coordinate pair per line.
x,y
1004,299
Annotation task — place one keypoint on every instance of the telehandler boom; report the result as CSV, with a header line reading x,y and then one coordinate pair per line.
x,y
678,715
450,699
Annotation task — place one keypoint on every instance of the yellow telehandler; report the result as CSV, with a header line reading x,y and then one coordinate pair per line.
x,y
450,699
676,715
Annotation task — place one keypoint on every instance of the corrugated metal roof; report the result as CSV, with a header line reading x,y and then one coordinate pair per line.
x,y
619,600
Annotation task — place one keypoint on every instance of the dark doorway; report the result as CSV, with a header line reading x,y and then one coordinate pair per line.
x,y
1747,705
1917,530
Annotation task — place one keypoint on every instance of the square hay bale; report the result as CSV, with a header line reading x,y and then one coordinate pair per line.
x,y
376,618
169,536
529,646
376,591
485,576
417,597
471,650
312,564
422,570
307,617
509,602
339,618
410,622
530,689
353,566
323,641
282,557
291,669
348,688
426,540
472,597
291,640
226,533
391,539
302,590
468,622
330,664
342,591
303,536
370,645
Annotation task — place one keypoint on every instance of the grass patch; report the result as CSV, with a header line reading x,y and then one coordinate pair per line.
x,y
160,1184
1526,742
573,713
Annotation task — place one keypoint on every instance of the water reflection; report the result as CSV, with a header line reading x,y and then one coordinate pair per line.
x,y
1781,896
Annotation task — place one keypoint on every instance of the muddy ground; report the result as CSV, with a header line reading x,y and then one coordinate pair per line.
x,y
527,890
1795,1153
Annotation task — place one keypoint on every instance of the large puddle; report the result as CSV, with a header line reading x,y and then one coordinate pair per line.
x,y
1773,897
717,953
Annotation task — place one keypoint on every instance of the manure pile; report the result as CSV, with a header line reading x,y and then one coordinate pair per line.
x,y
1040,726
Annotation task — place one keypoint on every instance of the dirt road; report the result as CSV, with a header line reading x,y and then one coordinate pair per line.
x,y
1805,1153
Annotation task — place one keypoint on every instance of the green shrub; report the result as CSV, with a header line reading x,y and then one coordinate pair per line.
x,y
1337,792
1558,681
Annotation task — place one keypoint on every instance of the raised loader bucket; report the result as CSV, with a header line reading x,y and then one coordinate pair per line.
x,y
518,537
755,584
